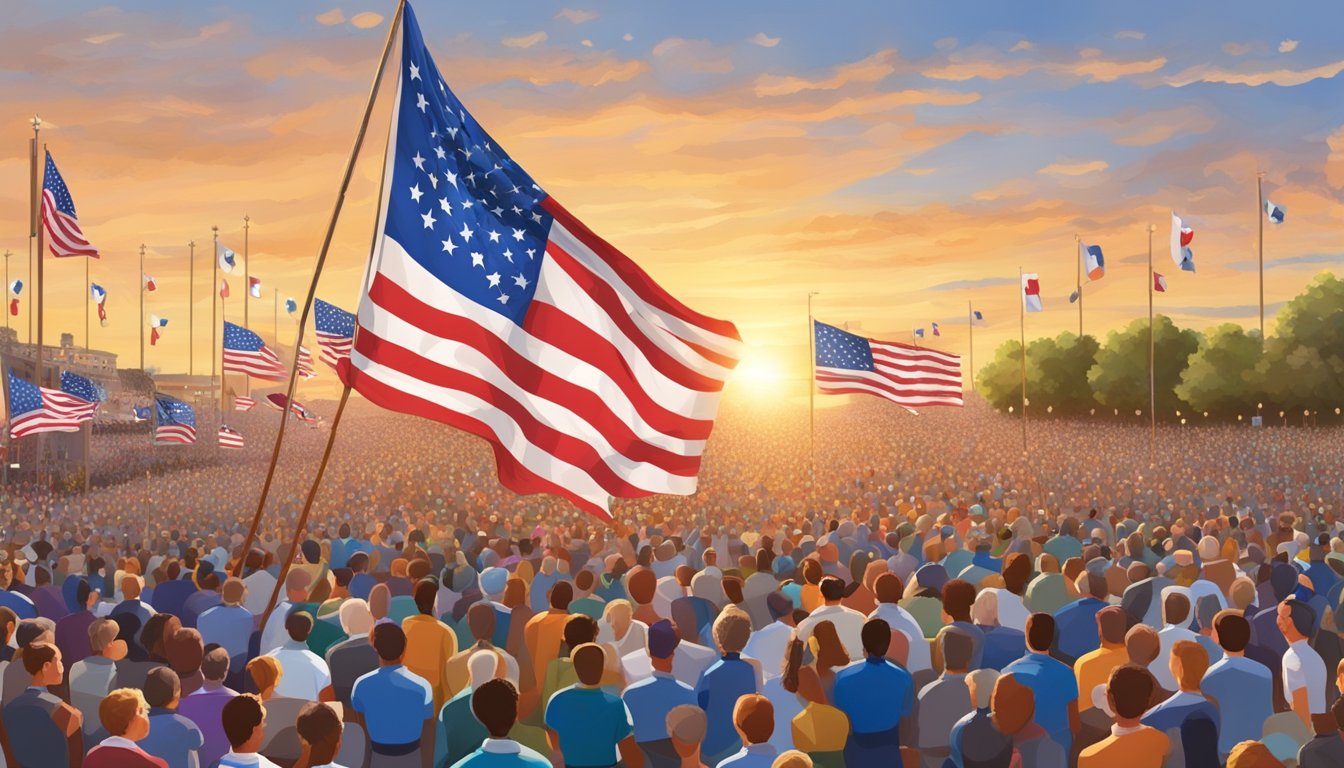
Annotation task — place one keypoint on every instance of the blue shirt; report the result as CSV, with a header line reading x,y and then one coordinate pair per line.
x,y
752,756
172,737
1054,687
589,722
717,693
1170,714
1076,629
875,694
228,625
395,704
649,701
1003,646
19,604
1243,690
503,753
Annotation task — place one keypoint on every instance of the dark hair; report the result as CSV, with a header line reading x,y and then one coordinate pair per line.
x,y
299,625
318,723
82,592
426,592
8,617
589,661
958,596
1234,631
241,716
1176,608
876,636
162,685
1302,616
1040,631
1131,689
1111,624
579,629
1016,572
832,589
215,666
389,641
37,656
957,649
495,705
562,594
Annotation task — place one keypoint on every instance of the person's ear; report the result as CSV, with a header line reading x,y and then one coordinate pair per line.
x,y
116,650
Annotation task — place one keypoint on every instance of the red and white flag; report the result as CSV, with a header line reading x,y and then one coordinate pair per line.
x,y
244,403
1159,283
230,437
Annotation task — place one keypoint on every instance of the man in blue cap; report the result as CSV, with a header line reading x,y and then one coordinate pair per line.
x,y
651,699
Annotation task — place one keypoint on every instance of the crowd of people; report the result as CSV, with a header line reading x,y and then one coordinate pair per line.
x,y
922,594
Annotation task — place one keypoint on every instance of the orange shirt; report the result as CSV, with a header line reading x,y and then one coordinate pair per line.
x,y
1094,668
429,645
543,636
1144,748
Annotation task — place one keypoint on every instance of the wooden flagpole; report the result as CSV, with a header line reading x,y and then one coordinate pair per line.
x,y
970,346
191,310
41,289
142,307
1022,329
214,312
1260,217
1078,257
303,319
247,295
1152,376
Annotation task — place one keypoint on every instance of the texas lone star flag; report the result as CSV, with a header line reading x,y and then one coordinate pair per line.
x,y
493,309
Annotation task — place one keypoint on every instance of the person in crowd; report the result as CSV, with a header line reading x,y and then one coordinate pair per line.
x,y
94,676
430,643
876,695
354,657
1189,662
1131,743
394,703
650,700
1240,688
589,726
244,722
686,728
305,673
458,732
320,731
976,741
125,718
204,706
944,702
42,729
848,623
724,682
1052,683
170,737
1303,671
495,706
754,719
1013,707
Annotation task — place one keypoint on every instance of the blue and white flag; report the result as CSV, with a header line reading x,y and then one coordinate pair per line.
x,y
977,318
1274,212
291,306
1181,236
1094,264
227,258
176,422
919,333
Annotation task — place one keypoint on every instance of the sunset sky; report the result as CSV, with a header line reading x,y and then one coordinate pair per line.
x,y
902,159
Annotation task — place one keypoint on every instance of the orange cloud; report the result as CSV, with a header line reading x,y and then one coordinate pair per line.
x,y
1090,65
525,41
574,16
330,18
870,69
366,20
1254,77
1074,169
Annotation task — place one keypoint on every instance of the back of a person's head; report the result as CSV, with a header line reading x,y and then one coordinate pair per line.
x,y
754,717
265,672
1130,690
832,589
732,630
1013,704
318,724
562,594
888,588
389,641
1176,608
185,650
981,682
579,629
589,660
426,592
481,621
958,597
876,637
355,617
495,705
29,630
1016,572
1301,615
299,625
687,724
1111,624
118,709
215,666
482,667
792,759
1252,754
1142,644
37,656
240,718
957,649
162,685
1040,632
1192,661
101,634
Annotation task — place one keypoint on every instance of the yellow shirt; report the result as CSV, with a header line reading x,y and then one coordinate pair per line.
x,y
543,636
1094,668
1144,748
429,645
820,728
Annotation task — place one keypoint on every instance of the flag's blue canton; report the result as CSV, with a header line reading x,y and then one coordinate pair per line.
x,y
240,339
457,203
173,411
74,384
141,414
839,349
52,182
23,396
332,319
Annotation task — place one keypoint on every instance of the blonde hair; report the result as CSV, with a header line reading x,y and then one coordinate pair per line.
x,y
266,672
118,709
792,759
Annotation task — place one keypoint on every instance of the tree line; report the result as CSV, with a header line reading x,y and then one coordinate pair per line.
x,y
1226,371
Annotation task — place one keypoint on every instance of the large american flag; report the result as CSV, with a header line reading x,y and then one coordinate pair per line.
x,y
335,331
245,352
34,409
902,373
176,423
493,309
64,236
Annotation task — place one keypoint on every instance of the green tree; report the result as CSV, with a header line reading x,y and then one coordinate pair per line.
x,y
1303,364
1000,382
1057,373
1221,376
1119,378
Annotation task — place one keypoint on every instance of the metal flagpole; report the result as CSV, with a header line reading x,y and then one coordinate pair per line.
x,y
214,313
1078,258
307,305
41,289
275,319
223,318
1152,377
1260,216
812,394
88,298
970,347
142,307
191,310
7,255
247,296
1022,328
32,205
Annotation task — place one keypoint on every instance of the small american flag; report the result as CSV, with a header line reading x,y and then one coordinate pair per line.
x,y
306,369
230,437
245,352
493,309
904,374
34,409
176,422
335,331
65,238
277,401
244,403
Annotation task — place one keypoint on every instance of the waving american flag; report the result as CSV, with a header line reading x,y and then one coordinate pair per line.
x,y
245,352
495,310
335,331
64,235
907,375
34,409
176,422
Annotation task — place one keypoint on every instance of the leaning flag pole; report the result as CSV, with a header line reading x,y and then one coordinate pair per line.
x,y
1022,329
1152,378
303,322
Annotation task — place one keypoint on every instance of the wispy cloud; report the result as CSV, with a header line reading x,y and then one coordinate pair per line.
x,y
1022,45
100,39
1074,169
1287,46
525,41
576,16
764,40
366,20
1227,311
1088,64
330,18
966,285
1254,77
1306,259
870,69
1130,34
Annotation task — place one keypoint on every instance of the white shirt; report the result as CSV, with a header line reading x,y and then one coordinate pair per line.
x,y
232,759
848,625
900,620
689,661
1012,612
1303,668
304,673
1161,666
273,635
768,646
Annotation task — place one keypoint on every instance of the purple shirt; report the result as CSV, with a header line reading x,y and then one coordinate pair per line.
x,y
204,708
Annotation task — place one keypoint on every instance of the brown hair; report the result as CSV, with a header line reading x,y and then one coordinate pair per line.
x,y
1013,705
240,717
118,709
754,716
1130,688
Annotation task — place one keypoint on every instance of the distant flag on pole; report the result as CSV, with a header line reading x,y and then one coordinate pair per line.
x,y
905,374
1073,297
155,323
254,287
58,216
335,331
15,288
230,437
291,306
223,288
227,259
1159,283
919,333
1031,292
1274,212
277,401
245,352
977,317
34,409
1094,264
176,422
1181,236
149,284
244,403
99,295
935,329
306,369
